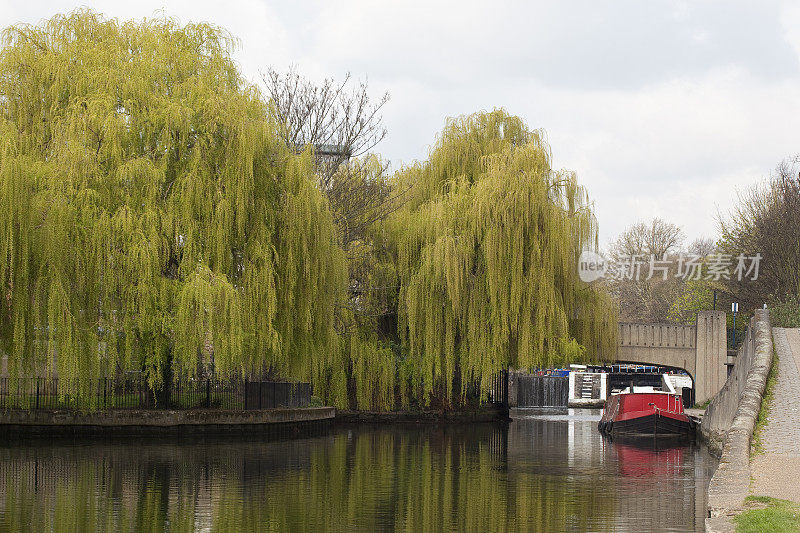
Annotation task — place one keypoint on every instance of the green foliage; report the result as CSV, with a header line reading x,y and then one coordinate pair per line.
x,y
148,209
373,371
703,405
768,514
784,312
696,295
766,221
487,247
151,218
315,401
209,311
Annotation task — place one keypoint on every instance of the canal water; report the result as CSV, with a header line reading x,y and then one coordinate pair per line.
x,y
546,471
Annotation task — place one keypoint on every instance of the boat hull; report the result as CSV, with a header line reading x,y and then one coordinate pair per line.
x,y
645,414
648,425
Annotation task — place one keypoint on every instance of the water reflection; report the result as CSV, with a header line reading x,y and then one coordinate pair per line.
x,y
547,471
654,484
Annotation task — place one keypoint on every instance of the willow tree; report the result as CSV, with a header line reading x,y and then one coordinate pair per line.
x,y
487,251
150,216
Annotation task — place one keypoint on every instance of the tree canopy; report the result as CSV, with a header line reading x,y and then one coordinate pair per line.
x,y
487,253
149,209
153,218
766,221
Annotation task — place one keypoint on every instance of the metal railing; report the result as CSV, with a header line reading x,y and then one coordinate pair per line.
x,y
134,392
498,389
736,338
270,394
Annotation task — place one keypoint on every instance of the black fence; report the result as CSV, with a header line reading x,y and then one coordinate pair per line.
x,y
498,389
271,394
134,392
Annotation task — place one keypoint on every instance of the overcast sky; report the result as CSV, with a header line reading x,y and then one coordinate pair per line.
x,y
662,108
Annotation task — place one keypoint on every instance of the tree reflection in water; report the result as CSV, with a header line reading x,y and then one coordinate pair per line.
x,y
531,474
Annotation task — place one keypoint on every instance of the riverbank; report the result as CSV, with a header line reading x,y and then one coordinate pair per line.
x,y
175,422
487,413
138,421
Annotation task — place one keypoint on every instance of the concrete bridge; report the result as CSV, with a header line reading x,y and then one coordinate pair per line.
x,y
700,349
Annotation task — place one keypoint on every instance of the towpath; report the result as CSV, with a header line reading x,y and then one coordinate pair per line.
x,y
776,472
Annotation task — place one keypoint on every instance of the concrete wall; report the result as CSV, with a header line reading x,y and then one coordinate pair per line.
x,y
662,344
720,413
700,349
666,335
728,422
712,354
161,417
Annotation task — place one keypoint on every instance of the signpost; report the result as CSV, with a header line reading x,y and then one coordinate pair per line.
x,y
734,310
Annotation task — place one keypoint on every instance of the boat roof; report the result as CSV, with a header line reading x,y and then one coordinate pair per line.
x,y
648,392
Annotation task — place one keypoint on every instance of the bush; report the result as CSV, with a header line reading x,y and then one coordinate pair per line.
x,y
315,401
784,312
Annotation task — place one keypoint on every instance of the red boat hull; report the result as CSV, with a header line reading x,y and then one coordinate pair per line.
x,y
645,414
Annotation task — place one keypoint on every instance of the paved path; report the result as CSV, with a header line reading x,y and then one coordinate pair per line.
x,y
776,472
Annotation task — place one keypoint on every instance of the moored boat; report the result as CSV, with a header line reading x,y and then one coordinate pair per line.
x,y
645,413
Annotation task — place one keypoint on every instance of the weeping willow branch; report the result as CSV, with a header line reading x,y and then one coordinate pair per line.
x,y
151,214
487,250
152,218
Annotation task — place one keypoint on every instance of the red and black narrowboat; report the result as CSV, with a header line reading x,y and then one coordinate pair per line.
x,y
645,413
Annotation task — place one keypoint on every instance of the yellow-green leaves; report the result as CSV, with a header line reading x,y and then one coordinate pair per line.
x,y
487,251
151,216
208,324
150,213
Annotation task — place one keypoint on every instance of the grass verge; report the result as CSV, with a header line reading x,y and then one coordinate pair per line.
x,y
763,513
756,445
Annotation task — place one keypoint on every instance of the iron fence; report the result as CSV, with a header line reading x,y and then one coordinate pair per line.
x,y
134,392
270,394
498,389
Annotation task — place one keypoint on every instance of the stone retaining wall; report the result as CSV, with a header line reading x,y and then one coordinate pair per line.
x,y
70,421
486,413
729,421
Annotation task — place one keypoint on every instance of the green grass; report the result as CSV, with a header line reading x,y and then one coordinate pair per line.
x,y
703,405
756,446
768,514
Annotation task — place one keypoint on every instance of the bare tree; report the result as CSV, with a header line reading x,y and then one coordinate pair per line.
x,y
341,124
766,221
645,299
337,120
702,247
656,237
